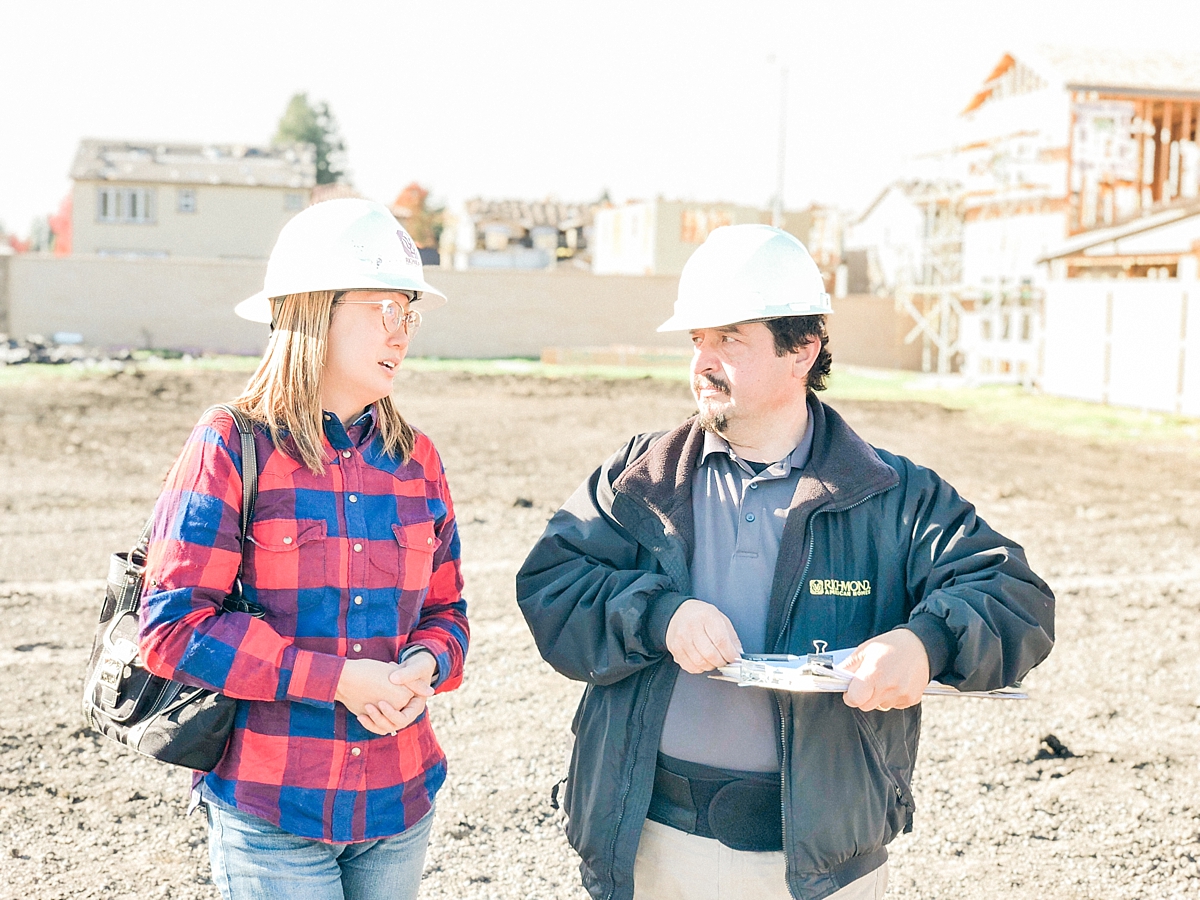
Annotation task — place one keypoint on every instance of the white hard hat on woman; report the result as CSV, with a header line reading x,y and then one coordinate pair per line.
x,y
342,245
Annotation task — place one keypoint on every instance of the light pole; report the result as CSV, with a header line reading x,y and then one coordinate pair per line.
x,y
777,205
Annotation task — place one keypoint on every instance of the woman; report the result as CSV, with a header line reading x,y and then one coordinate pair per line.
x,y
327,786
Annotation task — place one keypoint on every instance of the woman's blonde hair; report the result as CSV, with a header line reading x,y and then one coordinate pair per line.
x,y
284,393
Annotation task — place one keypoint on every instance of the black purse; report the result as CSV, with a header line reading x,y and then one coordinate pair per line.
x,y
165,720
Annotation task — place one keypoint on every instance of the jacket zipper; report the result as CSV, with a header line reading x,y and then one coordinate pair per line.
x,y
876,748
783,789
629,779
812,539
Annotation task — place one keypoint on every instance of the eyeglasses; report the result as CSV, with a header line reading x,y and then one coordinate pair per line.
x,y
394,316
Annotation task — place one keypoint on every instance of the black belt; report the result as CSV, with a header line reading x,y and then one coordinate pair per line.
x,y
742,810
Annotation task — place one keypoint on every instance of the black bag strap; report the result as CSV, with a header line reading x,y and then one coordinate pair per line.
x,y
249,469
249,486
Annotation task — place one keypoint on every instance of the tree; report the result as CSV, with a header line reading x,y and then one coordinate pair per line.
x,y
304,123
41,238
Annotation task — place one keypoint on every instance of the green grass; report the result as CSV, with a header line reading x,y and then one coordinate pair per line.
x,y
1015,406
1001,405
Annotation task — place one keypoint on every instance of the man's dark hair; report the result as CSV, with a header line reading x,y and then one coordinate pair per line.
x,y
793,332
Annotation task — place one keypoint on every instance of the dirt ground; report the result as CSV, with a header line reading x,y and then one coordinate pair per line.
x,y
1114,528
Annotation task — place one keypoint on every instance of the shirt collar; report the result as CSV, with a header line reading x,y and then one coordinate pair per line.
x,y
797,459
358,432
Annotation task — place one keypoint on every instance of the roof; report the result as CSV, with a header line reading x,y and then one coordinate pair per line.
x,y
1093,69
1094,238
530,214
290,166
1120,70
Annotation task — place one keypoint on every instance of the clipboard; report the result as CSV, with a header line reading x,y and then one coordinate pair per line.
x,y
821,673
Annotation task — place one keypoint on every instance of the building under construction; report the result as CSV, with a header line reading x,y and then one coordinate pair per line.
x,y
1053,143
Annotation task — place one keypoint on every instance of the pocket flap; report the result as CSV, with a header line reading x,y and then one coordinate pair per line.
x,y
283,535
419,537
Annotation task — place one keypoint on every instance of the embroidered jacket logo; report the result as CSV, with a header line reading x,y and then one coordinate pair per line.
x,y
832,587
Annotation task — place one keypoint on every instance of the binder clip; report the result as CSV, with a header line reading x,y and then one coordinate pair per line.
x,y
820,658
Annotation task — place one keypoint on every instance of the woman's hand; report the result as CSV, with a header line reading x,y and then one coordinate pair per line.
x,y
381,705
414,675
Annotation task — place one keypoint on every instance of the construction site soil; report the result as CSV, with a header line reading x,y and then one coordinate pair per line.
x,y
1108,808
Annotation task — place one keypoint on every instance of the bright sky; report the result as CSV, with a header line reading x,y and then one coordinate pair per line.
x,y
533,99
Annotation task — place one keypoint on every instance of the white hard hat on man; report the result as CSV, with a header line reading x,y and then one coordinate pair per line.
x,y
347,244
743,273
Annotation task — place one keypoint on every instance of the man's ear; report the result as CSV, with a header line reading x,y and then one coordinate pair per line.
x,y
805,358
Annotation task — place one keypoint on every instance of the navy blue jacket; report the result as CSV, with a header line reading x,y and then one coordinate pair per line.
x,y
872,542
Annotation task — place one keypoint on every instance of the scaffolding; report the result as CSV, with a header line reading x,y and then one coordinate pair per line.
x,y
933,294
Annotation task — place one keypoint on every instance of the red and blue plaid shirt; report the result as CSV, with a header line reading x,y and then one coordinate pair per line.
x,y
360,562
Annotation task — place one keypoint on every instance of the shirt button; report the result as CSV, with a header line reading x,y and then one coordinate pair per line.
x,y
429,540
287,540
358,548
346,453
358,601
354,498
754,485
355,751
749,517
358,648
326,417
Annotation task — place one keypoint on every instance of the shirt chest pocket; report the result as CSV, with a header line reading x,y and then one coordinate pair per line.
x,y
405,564
286,562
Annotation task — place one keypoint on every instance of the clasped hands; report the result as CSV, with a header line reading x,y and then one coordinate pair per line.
x,y
891,671
386,696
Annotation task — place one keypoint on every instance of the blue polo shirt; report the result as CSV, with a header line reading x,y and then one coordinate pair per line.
x,y
739,517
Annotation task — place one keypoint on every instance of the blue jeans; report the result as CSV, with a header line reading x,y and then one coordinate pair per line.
x,y
255,860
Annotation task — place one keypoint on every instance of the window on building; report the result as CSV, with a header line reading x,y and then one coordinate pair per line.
x,y
130,206
293,202
185,200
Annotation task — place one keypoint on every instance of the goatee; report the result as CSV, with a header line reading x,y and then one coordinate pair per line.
x,y
718,421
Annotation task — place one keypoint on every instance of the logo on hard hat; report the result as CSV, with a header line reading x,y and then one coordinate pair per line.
x,y
410,249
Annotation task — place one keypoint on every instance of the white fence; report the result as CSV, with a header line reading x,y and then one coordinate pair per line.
x,y
1000,337
1132,342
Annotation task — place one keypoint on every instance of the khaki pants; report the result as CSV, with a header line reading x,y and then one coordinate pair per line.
x,y
674,865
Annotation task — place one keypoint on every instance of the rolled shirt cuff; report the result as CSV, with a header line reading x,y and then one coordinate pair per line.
x,y
414,649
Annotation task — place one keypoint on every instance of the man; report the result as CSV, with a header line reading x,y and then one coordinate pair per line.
x,y
762,525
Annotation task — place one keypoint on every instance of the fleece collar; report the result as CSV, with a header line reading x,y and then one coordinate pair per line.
x,y
842,470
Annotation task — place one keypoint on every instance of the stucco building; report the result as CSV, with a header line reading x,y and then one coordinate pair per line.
x,y
656,237
145,199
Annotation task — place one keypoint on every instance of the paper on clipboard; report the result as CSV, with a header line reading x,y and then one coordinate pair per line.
x,y
821,672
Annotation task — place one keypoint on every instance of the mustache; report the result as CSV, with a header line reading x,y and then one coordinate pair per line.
x,y
710,381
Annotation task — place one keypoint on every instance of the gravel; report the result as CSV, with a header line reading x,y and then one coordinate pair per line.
x,y
1089,789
